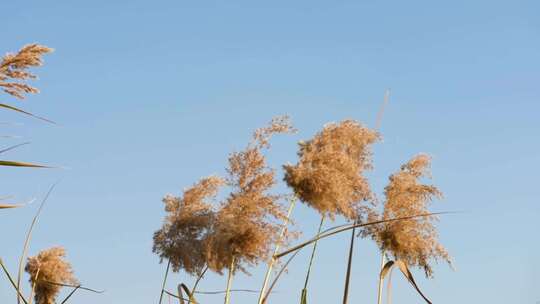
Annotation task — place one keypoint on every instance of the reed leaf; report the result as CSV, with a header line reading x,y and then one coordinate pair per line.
x,y
12,108
406,272
10,163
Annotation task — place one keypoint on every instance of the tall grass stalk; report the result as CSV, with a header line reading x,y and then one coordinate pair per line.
x,y
349,268
278,244
28,238
229,281
304,291
164,281
381,280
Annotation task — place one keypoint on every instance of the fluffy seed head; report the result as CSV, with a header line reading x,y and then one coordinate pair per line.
x,y
49,266
189,219
246,224
328,175
414,241
14,69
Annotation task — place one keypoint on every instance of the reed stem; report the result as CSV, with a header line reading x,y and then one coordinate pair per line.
x,y
164,281
349,268
304,291
381,279
273,259
229,281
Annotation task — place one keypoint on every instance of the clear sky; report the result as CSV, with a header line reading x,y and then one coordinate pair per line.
x,y
152,95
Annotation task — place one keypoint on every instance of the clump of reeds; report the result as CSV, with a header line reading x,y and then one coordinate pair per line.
x,y
328,175
14,69
413,241
242,230
48,270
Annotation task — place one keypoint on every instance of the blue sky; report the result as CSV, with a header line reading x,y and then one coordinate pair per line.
x,y
150,96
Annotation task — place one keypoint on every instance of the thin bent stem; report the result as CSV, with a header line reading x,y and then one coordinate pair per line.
x,y
164,281
349,227
273,259
28,237
283,268
304,291
229,281
192,294
381,280
349,268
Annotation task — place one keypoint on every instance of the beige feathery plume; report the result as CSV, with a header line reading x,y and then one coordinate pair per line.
x,y
14,69
47,268
413,241
328,175
189,218
246,225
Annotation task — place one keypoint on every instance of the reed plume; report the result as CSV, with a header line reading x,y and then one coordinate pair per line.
x,y
328,175
413,241
14,69
47,270
189,219
247,224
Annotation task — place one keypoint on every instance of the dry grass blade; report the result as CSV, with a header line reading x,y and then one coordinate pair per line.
x,y
349,227
12,108
386,269
183,288
29,236
9,206
10,163
406,272
19,294
182,300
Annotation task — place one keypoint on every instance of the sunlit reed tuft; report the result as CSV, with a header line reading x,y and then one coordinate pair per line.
x,y
189,219
47,268
14,70
248,222
328,175
413,241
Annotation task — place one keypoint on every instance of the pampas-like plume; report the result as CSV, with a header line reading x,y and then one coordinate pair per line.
x,y
14,69
189,219
47,270
328,176
413,241
246,226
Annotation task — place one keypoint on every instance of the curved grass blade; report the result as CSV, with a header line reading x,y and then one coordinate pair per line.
x,y
6,106
349,227
406,272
